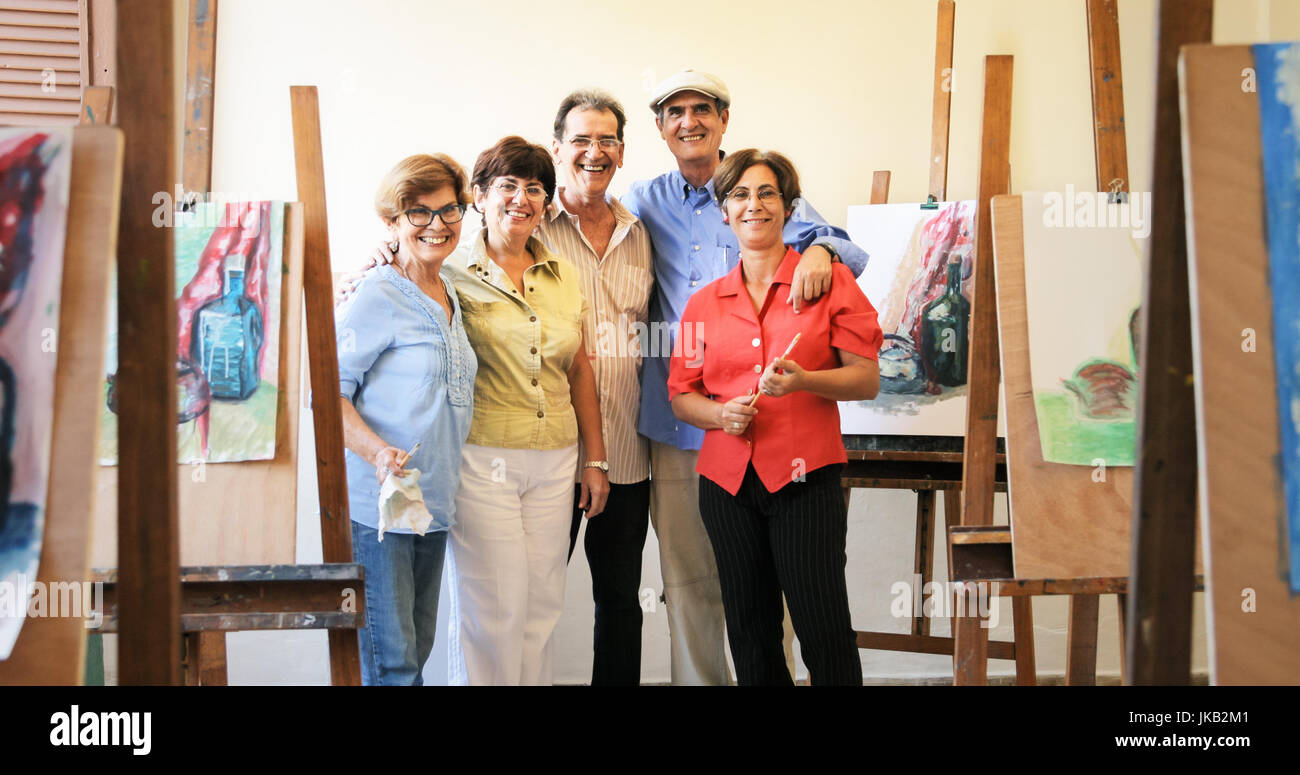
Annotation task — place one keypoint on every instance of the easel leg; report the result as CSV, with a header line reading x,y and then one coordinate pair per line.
x,y
1022,618
212,659
1081,651
1122,599
190,658
970,648
923,553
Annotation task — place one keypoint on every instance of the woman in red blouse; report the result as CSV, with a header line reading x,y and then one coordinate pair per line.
x,y
770,469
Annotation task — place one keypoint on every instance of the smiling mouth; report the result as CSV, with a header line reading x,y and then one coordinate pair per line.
x,y
691,138
518,215
755,220
432,240
595,168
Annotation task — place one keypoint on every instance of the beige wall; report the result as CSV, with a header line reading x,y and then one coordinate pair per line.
x,y
843,86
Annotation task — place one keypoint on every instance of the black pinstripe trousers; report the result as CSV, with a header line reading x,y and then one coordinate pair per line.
x,y
790,541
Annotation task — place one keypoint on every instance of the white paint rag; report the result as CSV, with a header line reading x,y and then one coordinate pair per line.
x,y
401,504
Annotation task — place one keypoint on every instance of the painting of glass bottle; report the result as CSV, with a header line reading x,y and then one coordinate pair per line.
x,y
945,331
228,336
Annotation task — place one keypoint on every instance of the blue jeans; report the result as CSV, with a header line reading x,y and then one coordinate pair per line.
x,y
403,577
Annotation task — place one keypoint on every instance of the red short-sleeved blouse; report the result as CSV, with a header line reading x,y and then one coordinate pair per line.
x,y
724,348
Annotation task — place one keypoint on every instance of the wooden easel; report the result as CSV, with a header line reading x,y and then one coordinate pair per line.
x,y
214,598
924,464
1053,489
52,651
1164,505
1236,402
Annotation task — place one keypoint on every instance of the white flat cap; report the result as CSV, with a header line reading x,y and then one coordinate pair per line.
x,y
691,80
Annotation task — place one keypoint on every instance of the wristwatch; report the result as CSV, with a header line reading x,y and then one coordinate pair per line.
x,y
603,465
835,254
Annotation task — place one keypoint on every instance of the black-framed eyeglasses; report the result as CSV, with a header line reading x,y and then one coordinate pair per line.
x,y
582,143
419,217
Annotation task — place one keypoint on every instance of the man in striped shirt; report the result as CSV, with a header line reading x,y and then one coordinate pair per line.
x,y
611,251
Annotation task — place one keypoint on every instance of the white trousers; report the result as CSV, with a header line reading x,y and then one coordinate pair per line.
x,y
507,559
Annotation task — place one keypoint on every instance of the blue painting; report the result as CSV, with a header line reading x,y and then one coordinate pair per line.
x,y
1277,68
34,170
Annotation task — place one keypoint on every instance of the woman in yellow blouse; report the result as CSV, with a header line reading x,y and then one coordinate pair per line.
x,y
534,394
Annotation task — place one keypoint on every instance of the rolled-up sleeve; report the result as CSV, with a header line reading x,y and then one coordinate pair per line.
x,y
853,322
686,374
363,329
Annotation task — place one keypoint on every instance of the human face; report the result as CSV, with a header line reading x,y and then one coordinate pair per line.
x,y
514,217
588,172
692,126
757,217
429,244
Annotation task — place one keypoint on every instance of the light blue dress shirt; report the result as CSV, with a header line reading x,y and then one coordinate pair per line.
x,y
692,248
410,375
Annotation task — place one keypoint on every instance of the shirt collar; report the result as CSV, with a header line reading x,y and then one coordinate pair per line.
x,y
733,282
480,261
622,216
680,184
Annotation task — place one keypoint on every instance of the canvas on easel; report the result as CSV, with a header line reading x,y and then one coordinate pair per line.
x,y
34,179
51,649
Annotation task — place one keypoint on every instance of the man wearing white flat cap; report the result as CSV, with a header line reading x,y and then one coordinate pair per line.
x,y
692,247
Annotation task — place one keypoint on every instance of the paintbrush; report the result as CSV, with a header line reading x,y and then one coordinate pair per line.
x,y
784,355
406,458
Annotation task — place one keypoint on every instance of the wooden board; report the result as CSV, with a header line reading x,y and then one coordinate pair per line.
x,y
982,395
200,70
1164,521
335,525
148,548
1108,135
939,120
1236,398
1063,524
52,650
239,513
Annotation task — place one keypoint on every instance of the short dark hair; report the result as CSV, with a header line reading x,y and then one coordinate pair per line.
x,y
659,109
514,156
734,166
589,99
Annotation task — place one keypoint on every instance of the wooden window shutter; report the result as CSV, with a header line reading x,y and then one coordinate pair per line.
x,y
44,61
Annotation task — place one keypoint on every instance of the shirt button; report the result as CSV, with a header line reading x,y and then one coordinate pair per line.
x,y
530,289
758,369
540,414
532,319
754,341
697,247
534,382
694,283
697,212
532,350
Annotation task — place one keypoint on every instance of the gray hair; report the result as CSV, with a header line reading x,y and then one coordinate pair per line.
x,y
589,99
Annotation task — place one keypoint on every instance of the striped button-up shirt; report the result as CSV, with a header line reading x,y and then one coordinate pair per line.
x,y
617,288
525,344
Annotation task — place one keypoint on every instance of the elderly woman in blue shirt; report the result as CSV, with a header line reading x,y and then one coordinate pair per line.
x,y
406,375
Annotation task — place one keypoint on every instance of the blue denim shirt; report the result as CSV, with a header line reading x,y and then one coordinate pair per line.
x,y
410,375
692,248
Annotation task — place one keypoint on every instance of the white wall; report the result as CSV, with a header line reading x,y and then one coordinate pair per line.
x,y
843,86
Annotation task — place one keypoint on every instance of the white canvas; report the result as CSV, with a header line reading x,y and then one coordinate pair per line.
x,y
1083,284
900,239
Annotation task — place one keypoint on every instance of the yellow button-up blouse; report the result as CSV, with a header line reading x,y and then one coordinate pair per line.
x,y
525,344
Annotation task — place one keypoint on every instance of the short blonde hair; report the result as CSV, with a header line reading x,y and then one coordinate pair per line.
x,y
415,176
